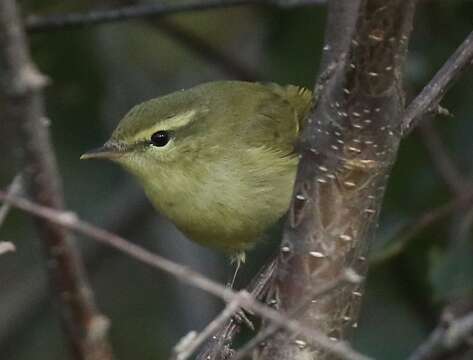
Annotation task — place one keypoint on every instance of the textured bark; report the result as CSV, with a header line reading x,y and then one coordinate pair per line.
x,y
347,150
22,101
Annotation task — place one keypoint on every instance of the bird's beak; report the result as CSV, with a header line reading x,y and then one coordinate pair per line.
x,y
108,151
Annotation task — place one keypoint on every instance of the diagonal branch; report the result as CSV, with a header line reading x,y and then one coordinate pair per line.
x,y
27,295
21,87
429,98
70,221
219,346
184,351
36,23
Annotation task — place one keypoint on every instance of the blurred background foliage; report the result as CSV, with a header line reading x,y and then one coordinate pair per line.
x,y
98,73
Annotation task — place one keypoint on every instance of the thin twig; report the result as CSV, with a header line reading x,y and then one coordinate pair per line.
x,y
71,221
35,23
184,351
430,97
27,294
445,338
13,189
349,276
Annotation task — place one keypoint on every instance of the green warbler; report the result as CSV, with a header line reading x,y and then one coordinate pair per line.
x,y
217,159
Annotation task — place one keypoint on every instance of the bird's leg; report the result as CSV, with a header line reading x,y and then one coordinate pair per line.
x,y
240,316
231,281
236,259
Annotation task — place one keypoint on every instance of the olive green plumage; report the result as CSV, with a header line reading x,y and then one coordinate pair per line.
x,y
226,172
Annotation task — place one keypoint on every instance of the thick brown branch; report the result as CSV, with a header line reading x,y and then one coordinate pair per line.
x,y
347,149
21,92
155,10
429,98
71,221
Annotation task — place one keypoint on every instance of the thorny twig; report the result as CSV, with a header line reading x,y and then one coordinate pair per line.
x,y
71,221
429,98
36,23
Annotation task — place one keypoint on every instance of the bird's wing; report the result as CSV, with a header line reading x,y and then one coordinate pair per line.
x,y
300,99
280,112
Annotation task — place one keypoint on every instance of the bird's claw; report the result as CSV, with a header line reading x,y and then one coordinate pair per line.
x,y
240,317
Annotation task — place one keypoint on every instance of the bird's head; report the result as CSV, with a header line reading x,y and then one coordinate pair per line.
x,y
160,136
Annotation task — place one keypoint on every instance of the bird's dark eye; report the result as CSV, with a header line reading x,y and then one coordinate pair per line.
x,y
160,138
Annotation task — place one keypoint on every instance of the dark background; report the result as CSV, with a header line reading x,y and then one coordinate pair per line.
x,y
98,73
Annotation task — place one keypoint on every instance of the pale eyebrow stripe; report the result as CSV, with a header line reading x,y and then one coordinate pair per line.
x,y
172,123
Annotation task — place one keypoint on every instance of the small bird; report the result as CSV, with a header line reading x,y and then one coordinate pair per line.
x,y
218,159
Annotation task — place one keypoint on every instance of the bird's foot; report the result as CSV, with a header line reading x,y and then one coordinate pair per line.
x,y
241,317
